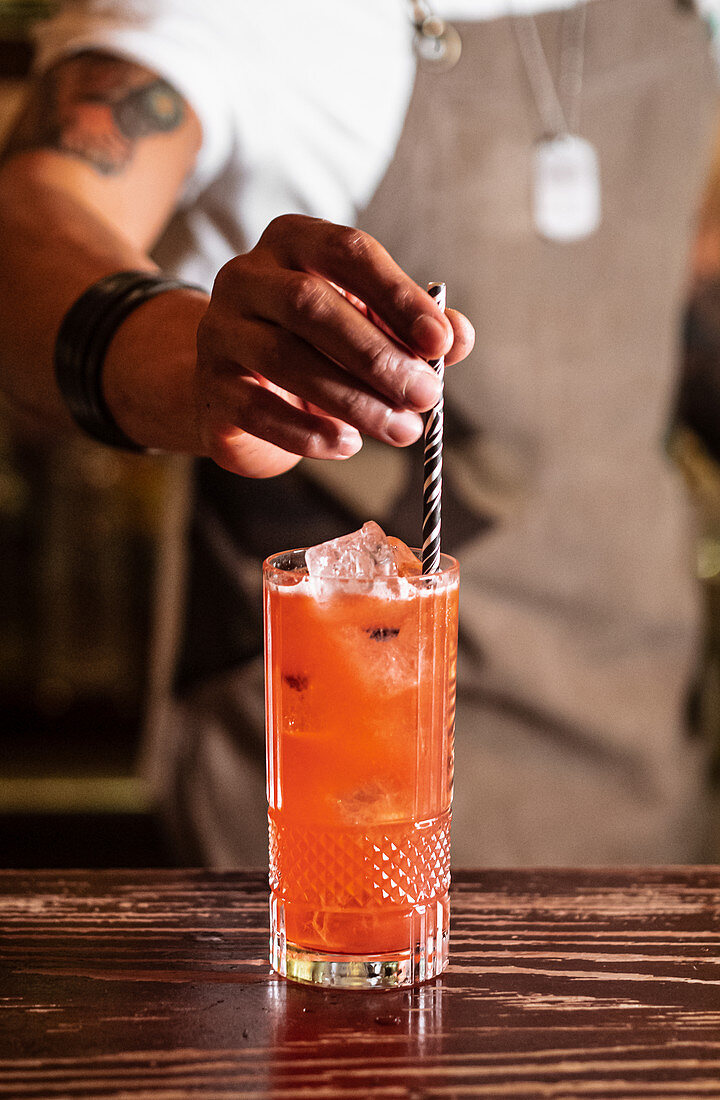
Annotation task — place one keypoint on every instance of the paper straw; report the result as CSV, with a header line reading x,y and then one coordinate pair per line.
x,y
432,471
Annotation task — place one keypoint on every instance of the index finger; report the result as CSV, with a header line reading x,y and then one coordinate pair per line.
x,y
360,265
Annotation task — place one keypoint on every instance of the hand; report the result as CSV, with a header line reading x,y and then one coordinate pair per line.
x,y
289,362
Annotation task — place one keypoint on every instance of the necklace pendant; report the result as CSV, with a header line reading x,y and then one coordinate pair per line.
x,y
566,188
437,45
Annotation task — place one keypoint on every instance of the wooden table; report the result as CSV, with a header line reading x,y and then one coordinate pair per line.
x,y
150,984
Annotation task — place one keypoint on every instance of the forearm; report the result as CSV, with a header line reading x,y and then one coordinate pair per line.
x,y
55,246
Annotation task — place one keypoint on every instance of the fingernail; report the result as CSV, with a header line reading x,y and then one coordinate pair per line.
x,y
403,427
428,334
349,443
423,388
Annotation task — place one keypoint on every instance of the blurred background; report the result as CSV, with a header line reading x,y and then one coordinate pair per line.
x,y
80,529
81,534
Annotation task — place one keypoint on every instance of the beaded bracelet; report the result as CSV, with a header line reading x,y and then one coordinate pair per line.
x,y
82,342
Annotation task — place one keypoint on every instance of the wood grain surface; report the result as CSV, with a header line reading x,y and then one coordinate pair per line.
x,y
155,984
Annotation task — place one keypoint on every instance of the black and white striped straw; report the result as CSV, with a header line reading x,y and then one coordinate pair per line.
x,y
432,472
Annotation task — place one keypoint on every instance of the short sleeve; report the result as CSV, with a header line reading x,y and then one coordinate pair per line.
x,y
169,38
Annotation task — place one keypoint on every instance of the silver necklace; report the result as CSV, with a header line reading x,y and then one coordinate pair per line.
x,y
566,200
566,193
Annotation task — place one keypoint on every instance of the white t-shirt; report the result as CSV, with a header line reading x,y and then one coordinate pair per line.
x,y
292,121
301,104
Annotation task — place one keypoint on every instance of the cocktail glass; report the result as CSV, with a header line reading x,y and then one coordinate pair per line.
x,y
360,697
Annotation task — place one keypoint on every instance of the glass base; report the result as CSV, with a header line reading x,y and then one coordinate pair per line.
x,y
425,960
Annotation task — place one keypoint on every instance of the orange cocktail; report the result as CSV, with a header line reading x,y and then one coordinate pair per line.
x,y
360,707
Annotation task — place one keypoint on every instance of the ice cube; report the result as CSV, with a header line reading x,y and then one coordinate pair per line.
x,y
408,565
363,554
372,804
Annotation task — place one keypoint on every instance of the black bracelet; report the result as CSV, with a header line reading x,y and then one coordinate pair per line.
x,y
82,342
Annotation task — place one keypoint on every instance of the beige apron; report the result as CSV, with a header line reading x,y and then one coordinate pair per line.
x,y
579,615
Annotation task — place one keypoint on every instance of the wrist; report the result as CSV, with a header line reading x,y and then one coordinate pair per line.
x,y
125,361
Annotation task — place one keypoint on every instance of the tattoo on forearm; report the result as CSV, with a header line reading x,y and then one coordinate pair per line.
x,y
96,108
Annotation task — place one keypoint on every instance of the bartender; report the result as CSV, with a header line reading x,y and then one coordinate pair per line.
x,y
179,275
